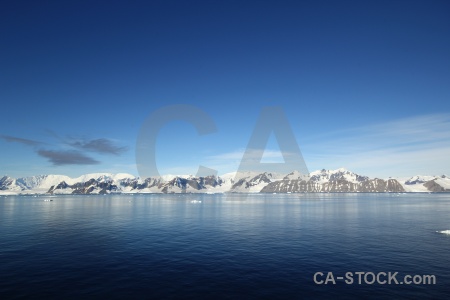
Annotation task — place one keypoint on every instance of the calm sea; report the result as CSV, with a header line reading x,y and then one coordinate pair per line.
x,y
224,247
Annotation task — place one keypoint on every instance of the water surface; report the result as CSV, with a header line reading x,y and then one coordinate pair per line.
x,y
226,247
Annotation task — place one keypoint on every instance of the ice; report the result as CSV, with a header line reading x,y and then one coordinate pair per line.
x,y
444,231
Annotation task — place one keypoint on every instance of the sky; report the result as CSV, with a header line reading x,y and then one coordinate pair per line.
x,y
364,85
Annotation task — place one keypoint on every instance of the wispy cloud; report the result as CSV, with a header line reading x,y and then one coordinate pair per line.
x,y
255,153
230,161
13,139
403,147
407,131
102,146
60,158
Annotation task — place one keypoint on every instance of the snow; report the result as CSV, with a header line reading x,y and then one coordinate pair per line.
x,y
414,188
8,193
252,182
418,179
236,176
323,176
63,191
99,177
295,175
42,182
444,231
444,182
415,184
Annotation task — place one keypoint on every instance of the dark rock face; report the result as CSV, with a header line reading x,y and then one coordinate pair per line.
x,y
86,187
379,185
433,186
62,185
289,186
239,183
211,181
106,187
178,182
259,178
335,186
248,182
196,183
416,181
5,182
337,176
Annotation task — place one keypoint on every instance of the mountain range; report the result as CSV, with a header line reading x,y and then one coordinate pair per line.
x,y
340,180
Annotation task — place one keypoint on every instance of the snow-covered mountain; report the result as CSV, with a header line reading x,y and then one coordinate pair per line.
x,y
421,183
340,180
9,185
42,183
324,176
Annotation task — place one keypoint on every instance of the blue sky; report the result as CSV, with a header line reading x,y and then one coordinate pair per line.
x,y
364,84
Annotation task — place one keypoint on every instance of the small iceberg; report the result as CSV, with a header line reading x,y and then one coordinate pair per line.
x,y
48,200
444,231
196,201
